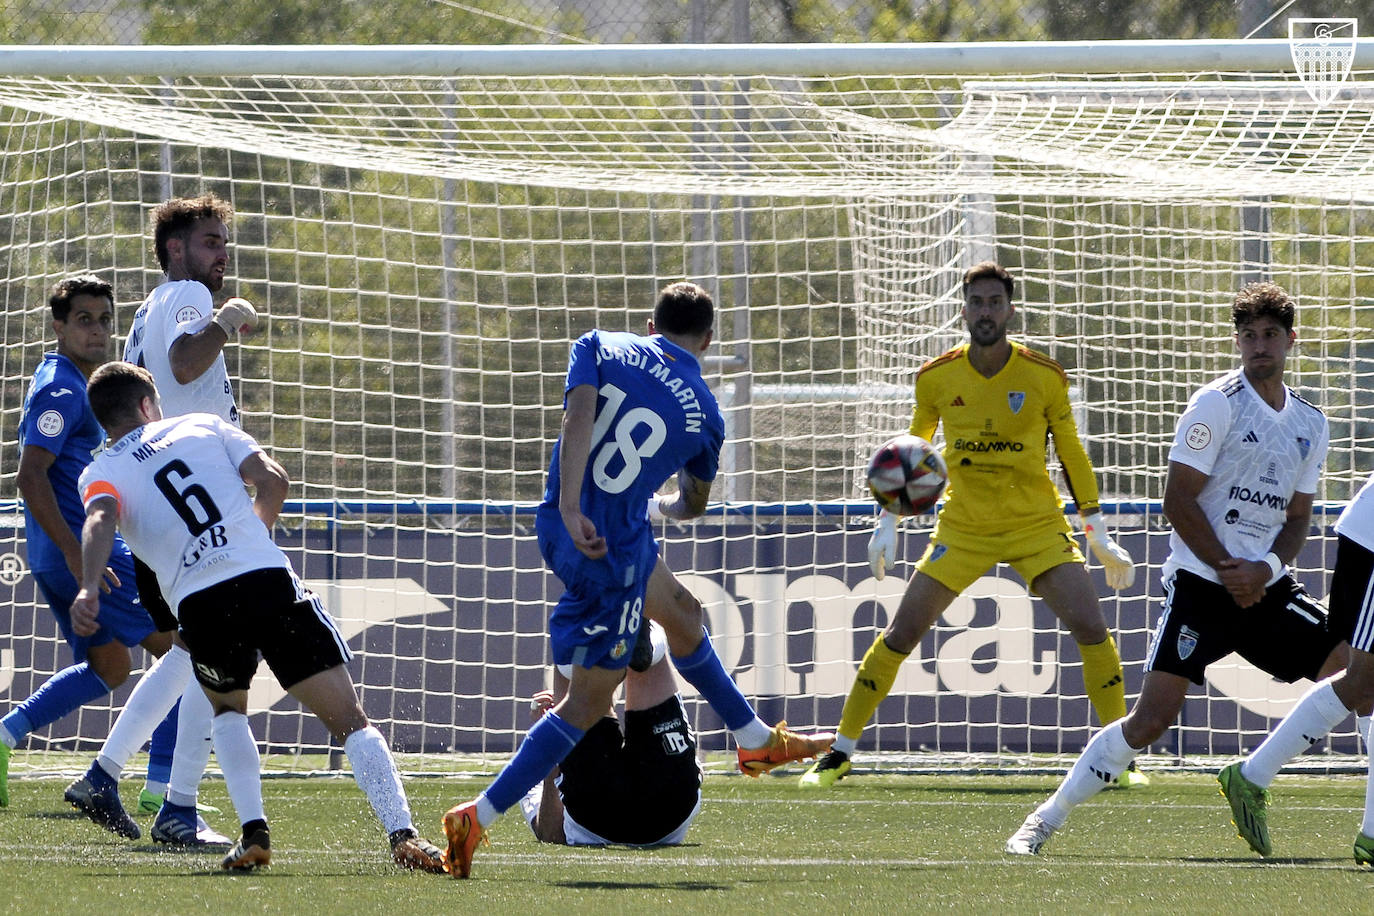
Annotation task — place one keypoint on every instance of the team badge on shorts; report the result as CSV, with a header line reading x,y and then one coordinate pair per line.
x,y
620,649
1187,642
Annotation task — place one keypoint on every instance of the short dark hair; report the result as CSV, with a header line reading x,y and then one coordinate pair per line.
x,y
987,270
115,391
174,219
1264,300
80,285
684,308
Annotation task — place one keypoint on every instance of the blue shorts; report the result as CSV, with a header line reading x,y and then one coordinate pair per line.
x,y
595,622
122,616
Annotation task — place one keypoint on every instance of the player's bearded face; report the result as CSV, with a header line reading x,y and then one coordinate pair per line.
x,y
1264,344
987,311
206,253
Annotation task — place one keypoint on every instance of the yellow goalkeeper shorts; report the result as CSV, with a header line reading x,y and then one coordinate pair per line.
x,y
957,559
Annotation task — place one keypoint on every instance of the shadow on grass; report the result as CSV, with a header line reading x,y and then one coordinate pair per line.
x,y
643,885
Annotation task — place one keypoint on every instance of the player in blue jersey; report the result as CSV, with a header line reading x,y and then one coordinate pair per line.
x,y
636,411
57,435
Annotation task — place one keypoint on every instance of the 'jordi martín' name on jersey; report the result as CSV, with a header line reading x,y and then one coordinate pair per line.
x,y
655,415
183,507
1255,459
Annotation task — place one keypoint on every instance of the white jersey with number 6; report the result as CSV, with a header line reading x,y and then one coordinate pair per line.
x,y
183,508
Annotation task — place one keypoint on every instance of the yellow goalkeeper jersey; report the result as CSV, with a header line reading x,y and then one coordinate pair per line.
x,y
996,440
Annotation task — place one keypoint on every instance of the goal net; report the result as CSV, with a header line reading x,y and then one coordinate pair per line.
x,y
425,248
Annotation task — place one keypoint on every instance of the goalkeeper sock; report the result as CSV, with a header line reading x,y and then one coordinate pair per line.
x,y
547,743
374,770
1106,756
1319,711
876,674
1103,679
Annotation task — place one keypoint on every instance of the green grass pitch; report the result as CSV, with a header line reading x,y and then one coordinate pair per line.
x,y
875,844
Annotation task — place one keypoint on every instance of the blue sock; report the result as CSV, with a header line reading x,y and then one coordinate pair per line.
x,y
160,748
71,688
547,743
703,670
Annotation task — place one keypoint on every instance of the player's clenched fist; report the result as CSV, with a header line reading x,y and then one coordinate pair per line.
x,y
236,315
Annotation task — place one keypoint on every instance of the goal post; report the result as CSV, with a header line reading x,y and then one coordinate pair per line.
x,y
427,229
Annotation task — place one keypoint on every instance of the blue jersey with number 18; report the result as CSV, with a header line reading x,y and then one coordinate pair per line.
x,y
655,415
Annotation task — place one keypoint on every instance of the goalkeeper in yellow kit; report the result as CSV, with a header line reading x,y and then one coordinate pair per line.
x,y
999,402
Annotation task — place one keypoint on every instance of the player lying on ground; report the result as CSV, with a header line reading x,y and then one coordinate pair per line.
x,y
176,489
636,784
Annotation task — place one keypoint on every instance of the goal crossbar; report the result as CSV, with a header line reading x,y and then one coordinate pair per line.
x,y
820,59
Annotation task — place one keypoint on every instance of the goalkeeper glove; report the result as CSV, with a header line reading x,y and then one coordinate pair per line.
x,y
1116,563
882,546
236,315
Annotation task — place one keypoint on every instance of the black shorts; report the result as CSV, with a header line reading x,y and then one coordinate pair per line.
x,y
637,788
1285,635
150,596
268,611
1352,595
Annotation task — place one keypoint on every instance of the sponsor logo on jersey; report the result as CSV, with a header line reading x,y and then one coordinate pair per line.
x,y
1187,642
594,631
50,423
1250,437
1198,436
1232,516
1258,498
1001,445
60,392
937,552
1016,400
958,401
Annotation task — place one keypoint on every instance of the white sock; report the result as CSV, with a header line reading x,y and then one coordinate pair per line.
x,y
1367,825
191,755
1105,757
374,769
1362,729
486,811
238,758
844,745
154,696
1319,711
753,735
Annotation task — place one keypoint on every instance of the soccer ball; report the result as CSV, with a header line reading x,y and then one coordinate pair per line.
x,y
907,475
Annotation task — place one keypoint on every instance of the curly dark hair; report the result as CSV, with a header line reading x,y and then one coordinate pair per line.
x,y
174,219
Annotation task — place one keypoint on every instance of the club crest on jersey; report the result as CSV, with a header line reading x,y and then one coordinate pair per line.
x,y
1187,642
1016,400
1304,446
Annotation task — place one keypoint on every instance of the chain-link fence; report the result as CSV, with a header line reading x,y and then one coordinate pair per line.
x,y
611,21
